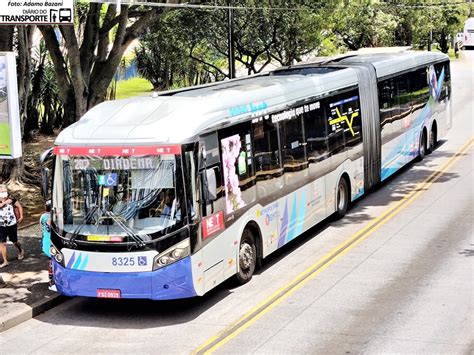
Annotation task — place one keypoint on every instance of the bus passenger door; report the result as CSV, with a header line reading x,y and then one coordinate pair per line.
x,y
387,105
319,160
401,123
393,99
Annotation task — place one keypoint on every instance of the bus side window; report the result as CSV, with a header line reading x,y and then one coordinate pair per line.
x,y
316,133
336,124
293,148
386,104
420,91
438,70
403,103
352,125
268,170
238,170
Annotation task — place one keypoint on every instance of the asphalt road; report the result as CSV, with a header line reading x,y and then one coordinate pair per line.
x,y
404,285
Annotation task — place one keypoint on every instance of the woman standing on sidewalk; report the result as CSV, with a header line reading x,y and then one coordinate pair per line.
x,y
8,224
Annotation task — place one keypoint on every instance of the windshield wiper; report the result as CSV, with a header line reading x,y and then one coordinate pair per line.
x,y
138,241
75,233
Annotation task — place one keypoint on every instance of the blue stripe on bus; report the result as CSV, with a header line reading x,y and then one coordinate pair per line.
x,y
293,221
71,261
301,214
78,262
284,226
359,194
83,265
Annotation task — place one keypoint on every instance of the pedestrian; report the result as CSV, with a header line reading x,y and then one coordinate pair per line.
x,y
45,223
8,224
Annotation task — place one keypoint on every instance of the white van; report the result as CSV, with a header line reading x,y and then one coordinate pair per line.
x,y
468,41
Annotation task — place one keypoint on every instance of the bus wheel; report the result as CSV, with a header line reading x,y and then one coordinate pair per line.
x,y
433,138
422,150
247,257
342,198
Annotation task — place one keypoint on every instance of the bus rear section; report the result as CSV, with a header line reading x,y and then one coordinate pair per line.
x,y
415,112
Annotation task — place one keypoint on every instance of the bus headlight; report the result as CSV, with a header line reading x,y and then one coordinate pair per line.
x,y
172,255
57,255
53,250
59,258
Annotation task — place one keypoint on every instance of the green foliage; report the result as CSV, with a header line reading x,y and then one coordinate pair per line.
x,y
447,21
44,107
133,87
162,56
370,23
261,34
302,32
364,23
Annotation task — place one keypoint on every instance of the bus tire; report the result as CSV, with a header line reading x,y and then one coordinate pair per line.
x,y
422,148
247,257
433,138
342,199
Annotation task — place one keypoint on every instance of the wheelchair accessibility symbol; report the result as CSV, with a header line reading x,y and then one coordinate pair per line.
x,y
111,180
108,180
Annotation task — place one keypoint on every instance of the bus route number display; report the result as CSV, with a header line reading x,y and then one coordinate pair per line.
x,y
121,163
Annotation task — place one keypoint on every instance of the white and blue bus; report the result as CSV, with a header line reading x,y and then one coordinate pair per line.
x,y
166,197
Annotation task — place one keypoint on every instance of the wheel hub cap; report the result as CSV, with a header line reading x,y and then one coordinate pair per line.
x,y
246,256
341,197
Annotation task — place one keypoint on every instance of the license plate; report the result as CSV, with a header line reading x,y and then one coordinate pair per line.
x,y
101,293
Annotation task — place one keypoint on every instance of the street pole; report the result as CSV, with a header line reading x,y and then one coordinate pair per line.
x,y
231,41
431,39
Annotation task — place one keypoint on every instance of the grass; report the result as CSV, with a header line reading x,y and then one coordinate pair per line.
x,y
450,53
133,87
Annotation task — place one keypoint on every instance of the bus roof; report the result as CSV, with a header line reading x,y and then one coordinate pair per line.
x,y
178,116
391,63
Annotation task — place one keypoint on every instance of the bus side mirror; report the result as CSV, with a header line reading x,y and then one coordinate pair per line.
x,y
46,158
45,182
211,184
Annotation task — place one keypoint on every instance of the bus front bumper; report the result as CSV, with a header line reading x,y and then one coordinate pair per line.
x,y
171,282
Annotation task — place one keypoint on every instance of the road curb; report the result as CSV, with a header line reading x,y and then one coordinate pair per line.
x,y
13,319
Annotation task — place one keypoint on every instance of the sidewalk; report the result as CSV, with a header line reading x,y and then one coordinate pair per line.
x,y
25,293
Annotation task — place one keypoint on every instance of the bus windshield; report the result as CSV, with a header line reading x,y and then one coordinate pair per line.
x,y
117,195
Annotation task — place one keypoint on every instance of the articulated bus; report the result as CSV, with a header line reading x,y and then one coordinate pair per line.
x,y
166,197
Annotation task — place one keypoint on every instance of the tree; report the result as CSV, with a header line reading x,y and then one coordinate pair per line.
x,y
364,23
415,23
162,56
44,109
449,20
261,34
206,32
301,32
86,60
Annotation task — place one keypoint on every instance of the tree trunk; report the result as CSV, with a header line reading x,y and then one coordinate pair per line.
x,y
443,42
84,77
25,39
